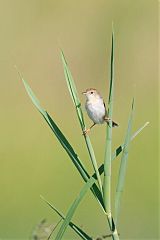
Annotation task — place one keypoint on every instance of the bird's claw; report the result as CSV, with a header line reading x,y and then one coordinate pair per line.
x,y
107,118
85,132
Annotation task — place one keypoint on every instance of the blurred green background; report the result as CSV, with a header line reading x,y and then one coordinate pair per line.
x,y
32,161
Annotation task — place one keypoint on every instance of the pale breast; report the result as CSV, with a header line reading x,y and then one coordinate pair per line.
x,y
96,111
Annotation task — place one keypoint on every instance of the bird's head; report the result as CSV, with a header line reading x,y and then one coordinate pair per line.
x,y
91,94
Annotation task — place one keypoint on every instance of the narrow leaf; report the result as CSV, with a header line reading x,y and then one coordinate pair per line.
x,y
123,165
76,101
93,159
60,136
85,175
77,229
119,150
139,130
64,142
73,208
73,91
121,147
108,147
101,170
93,179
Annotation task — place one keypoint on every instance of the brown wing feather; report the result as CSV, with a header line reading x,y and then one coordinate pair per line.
x,y
114,124
106,113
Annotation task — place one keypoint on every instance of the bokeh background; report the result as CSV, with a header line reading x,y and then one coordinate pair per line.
x,y
31,160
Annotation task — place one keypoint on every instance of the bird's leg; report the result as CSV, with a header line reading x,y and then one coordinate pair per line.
x,y
107,119
88,130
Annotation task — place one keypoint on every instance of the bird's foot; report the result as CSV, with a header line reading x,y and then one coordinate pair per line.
x,y
85,132
107,119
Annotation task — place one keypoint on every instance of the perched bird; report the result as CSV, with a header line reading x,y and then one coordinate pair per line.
x,y
96,108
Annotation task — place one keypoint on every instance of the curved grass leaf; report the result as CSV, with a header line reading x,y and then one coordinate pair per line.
x,y
64,142
73,208
123,165
60,136
93,180
85,176
73,91
77,229
121,147
76,101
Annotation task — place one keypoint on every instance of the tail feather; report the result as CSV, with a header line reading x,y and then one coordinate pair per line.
x,y
114,124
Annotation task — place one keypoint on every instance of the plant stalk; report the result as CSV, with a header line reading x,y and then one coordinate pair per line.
x,y
93,160
108,148
76,101
112,227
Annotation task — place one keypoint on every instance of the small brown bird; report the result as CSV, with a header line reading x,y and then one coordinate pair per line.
x,y
96,108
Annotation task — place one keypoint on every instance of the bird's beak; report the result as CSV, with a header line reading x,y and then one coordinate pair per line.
x,y
84,93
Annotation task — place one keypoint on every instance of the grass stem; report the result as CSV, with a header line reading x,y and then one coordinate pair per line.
x,y
108,148
74,95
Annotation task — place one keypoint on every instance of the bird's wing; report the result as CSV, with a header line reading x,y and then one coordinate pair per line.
x,y
106,113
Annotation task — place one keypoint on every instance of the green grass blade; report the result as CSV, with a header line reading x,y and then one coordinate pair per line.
x,y
139,130
121,147
75,228
93,159
101,170
93,180
64,142
33,98
73,208
123,165
62,139
107,159
79,165
73,91
76,101
85,175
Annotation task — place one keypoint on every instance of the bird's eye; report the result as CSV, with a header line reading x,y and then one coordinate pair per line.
x,y
91,92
